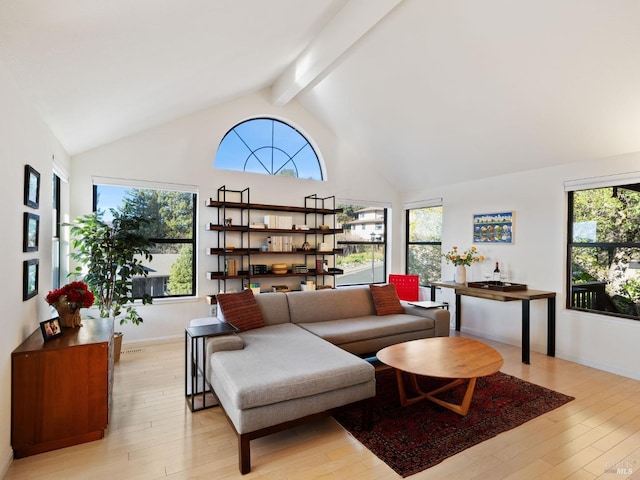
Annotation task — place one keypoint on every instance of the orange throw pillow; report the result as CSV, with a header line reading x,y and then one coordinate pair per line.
x,y
241,310
385,299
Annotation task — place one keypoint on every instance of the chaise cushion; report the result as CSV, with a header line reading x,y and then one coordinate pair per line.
x,y
263,374
385,299
241,310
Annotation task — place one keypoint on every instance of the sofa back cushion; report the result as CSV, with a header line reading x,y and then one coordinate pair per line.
x,y
330,304
274,308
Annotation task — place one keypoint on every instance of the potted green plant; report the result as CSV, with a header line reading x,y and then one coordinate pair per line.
x,y
109,255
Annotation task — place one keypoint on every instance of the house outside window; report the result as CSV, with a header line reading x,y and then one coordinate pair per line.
x,y
171,272
424,243
363,244
603,261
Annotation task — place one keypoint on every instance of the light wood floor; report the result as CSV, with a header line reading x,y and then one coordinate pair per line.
x,y
153,435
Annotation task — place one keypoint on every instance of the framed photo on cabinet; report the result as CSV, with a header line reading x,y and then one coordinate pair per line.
x,y
31,187
51,328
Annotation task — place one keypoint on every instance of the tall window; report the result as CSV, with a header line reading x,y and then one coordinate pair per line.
x,y
55,229
363,244
270,147
424,243
604,250
171,273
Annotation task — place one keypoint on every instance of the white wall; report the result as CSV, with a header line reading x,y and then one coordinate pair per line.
x,y
25,140
537,258
183,151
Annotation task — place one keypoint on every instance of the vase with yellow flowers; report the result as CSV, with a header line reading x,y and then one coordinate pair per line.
x,y
461,260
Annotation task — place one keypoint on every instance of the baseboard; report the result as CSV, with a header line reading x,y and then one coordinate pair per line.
x,y
6,462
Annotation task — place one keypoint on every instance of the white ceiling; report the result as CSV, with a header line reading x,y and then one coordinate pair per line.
x,y
429,90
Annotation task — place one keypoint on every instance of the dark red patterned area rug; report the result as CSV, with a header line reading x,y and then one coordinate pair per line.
x,y
414,438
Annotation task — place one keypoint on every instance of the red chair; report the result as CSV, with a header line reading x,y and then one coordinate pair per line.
x,y
407,286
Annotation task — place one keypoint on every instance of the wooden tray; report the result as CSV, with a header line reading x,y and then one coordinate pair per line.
x,y
500,286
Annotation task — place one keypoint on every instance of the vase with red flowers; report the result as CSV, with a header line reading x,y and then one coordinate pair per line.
x,y
68,301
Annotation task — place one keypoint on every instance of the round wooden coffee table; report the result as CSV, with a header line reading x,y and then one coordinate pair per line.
x,y
458,358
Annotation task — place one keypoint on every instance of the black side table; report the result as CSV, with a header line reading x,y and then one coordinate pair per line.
x,y
199,392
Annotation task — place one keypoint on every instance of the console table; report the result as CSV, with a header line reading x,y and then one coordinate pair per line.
x,y
195,389
525,297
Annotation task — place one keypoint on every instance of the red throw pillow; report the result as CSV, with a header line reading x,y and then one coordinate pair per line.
x,y
241,310
385,299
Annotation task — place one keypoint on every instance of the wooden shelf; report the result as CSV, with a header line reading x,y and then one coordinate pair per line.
x,y
256,251
245,275
273,208
212,227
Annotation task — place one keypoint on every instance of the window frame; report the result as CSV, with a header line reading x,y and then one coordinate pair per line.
x,y
383,239
241,164
409,243
571,245
194,227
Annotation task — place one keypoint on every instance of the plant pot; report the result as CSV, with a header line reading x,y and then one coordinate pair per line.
x,y
117,346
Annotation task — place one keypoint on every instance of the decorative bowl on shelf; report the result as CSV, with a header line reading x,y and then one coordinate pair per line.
x,y
279,268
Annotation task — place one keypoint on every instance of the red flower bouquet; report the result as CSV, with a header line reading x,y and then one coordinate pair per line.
x,y
68,301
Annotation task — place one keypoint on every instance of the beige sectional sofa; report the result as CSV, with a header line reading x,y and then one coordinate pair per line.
x,y
307,359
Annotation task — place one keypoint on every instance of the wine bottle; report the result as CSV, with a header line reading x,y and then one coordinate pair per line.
x,y
496,275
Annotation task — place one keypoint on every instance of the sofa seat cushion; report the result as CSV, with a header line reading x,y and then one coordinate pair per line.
x,y
330,304
349,330
284,362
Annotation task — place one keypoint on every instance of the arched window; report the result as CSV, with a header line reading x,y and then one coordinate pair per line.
x,y
270,147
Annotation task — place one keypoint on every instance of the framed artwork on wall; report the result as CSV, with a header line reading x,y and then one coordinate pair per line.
x,y
30,270
494,227
30,232
31,187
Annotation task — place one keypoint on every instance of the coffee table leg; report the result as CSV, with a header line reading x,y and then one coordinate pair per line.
x,y
461,409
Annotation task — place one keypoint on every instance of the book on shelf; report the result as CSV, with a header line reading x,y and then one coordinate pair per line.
x,y
278,221
280,288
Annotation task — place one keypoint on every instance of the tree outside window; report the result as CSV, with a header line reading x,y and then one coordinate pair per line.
x,y
171,228
424,243
604,250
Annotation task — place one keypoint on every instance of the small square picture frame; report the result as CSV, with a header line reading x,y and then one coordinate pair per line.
x,y
30,271
30,232
51,329
31,187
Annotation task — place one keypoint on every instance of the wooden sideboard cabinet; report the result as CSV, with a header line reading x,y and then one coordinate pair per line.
x,y
61,389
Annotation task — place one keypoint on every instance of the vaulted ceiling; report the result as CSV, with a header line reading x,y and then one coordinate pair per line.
x,y
428,90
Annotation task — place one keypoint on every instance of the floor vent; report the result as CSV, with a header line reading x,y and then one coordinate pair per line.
x,y
132,350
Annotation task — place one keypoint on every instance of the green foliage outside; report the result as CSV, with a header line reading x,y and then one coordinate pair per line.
x,y
169,213
181,272
608,216
425,225
360,257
